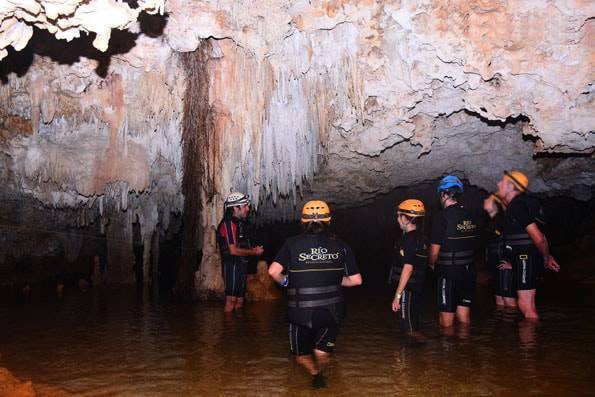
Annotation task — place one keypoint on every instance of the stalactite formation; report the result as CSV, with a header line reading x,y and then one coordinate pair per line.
x,y
197,184
344,100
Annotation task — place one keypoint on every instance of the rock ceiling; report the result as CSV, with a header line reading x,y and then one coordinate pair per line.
x,y
343,99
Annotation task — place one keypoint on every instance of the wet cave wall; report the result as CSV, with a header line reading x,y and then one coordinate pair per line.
x,y
117,119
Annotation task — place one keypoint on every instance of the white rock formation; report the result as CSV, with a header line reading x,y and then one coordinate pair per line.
x,y
342,99
67,19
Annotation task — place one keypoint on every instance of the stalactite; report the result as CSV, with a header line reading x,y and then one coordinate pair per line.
x,y
198,173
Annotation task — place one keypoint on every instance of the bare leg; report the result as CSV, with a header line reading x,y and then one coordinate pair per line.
x,y
447,319
239,303
230,302
322,359
510,302
464,314
500,301
307,362
527,303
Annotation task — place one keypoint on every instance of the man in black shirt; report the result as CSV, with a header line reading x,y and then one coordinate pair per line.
x,y
314,266
235,249
411,266
523,239
452,245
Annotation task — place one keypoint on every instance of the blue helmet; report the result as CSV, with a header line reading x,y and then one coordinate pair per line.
x,y
449,182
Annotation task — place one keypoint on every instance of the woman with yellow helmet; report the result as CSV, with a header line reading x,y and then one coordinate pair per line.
x,y
411,265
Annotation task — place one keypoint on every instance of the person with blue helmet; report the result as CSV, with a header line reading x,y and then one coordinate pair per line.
x,y
452,250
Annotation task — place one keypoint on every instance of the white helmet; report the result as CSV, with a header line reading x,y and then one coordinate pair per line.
x,y
236,199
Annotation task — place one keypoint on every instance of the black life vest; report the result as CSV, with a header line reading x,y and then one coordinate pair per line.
x,y
515,235
458,247
419,266
237,229
315,274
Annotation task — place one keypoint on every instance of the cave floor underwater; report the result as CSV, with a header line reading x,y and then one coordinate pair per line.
x,y
122,341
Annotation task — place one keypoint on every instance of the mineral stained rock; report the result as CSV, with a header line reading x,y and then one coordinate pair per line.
x,y
346,100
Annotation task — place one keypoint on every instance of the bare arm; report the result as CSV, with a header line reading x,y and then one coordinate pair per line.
x,y
352,281
433,254
542,245
490,206
237,251
275,271
405,276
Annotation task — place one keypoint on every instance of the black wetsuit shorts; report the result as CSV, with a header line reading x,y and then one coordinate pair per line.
x,y
321,336
411,302
505,283
526,266
455,288
234,276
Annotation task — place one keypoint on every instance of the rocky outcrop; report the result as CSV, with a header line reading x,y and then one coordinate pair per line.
x,y
12,387
346,100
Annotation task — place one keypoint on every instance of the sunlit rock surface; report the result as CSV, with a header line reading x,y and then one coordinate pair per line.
x,y
345,100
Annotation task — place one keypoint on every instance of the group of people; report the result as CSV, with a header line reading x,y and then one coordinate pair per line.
x,y
314,265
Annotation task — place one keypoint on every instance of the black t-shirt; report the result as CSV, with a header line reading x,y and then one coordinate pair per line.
x,y
318,242
519,210
411,252
408,249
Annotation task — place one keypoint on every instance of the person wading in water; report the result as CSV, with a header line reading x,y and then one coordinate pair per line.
x,y
314,266
235,249
411,265
523,239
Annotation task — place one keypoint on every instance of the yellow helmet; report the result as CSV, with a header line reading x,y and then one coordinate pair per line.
x,y
411,207
518,179
316,211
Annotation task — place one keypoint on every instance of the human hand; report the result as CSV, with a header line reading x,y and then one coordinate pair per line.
x,y
489,205
396,304
258,250
504,265
551,264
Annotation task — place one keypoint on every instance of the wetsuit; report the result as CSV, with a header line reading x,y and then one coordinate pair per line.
x,y
233,231
412,251
315,265
503,278
519,248
455,229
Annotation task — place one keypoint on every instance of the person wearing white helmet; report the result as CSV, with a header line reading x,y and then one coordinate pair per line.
x,y
235,249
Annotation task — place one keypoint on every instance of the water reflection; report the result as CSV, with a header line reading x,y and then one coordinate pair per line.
x,y
120,342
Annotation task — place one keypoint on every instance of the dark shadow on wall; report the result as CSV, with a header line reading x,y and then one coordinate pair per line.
x,y
68,53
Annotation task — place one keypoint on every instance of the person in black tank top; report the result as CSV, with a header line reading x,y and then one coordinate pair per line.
x,y
452,248
523,240
314,266
411,267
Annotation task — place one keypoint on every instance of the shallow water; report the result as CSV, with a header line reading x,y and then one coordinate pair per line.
x,y
120,342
